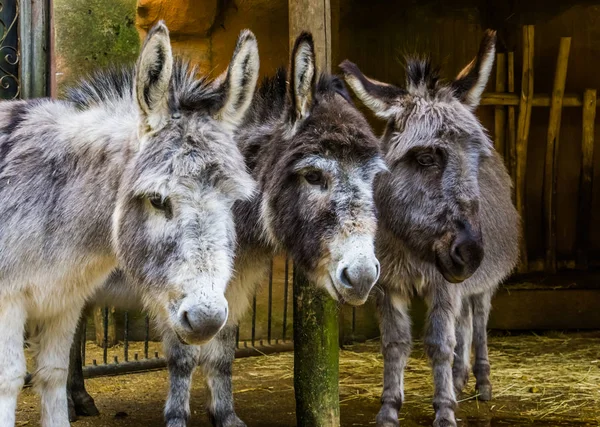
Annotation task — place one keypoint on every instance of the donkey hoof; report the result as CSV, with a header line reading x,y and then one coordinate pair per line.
x,y
484,392
230,421
84,405
176,422
387,417
445,420
72,412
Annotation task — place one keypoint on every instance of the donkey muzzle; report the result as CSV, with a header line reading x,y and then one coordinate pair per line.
x,y
356,278
200,319
463,256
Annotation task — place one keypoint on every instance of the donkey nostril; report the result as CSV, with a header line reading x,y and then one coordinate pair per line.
x,y
185,320
346,278
459,253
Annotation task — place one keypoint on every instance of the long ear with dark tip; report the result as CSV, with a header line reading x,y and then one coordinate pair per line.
x,y
239,81
303,77
380,97
153,76
471,81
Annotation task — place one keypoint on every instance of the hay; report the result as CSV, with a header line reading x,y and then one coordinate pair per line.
x,y
554,377
551,379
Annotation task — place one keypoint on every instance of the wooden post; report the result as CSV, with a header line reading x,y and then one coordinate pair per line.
x,y
34,46
499,111
512,131
587,173
316,356
525,104
316,326
552,146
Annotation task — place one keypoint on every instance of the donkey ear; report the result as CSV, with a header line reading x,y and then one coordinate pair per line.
x,y
380,97
239,81
153,75
303,75
471,81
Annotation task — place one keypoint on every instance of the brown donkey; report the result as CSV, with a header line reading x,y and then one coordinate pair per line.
x,y
447,228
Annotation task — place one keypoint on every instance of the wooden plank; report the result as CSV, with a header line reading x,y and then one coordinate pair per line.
x,y
316,325
523,123
587,173
500,112
551,158
550,309
512,130
495,98
313,16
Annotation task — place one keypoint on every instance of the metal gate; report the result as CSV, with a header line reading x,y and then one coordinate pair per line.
x,y
25,48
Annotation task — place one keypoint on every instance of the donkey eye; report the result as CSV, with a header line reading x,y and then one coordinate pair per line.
x,y
159,203
314,177
426,159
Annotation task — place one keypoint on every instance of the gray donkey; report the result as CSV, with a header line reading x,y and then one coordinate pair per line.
x,y
315,159
143,175
447,228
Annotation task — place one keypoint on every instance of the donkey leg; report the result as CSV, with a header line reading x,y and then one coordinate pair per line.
x,y
181,361
12,359
80,402
54,340
394,324
216,360
440,341
462,352
481,368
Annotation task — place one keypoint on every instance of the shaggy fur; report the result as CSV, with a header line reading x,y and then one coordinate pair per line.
x,y
125,175
447,228
315,161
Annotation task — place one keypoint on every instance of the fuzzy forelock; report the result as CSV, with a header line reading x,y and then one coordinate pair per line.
x,y
187,91
270,98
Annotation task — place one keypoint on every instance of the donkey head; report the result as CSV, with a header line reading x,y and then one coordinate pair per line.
x,y
318,192
173,225
433,146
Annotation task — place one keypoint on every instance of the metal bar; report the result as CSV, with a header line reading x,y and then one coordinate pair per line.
x,y
83,341
353,322
147,336
126,338
237,336
285,296
253,319
105,337
270,309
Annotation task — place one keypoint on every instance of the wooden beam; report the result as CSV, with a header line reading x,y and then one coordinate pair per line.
x,y
551,158
316,325
523,124
495,98
512,124
499,111
587,173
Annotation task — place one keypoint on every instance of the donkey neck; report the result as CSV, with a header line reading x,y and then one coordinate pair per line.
x,y
63,173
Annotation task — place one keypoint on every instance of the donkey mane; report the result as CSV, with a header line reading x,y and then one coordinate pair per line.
x,y
271,95
188,92
423,79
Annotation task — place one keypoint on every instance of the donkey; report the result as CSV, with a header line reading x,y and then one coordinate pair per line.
x,y
315,159
445,203
142,175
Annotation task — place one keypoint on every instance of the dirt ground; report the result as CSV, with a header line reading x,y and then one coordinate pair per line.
x,y
550,380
